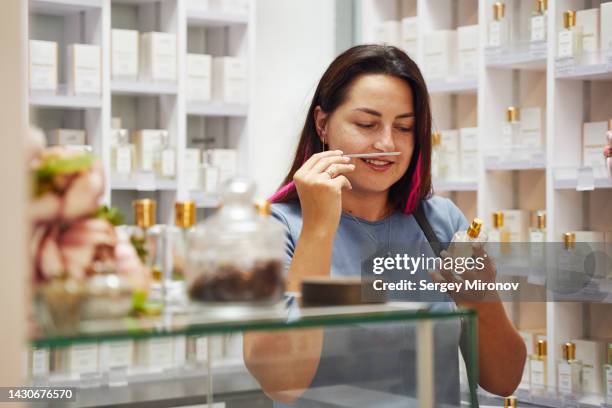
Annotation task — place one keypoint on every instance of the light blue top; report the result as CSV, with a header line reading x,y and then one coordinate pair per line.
x,y
376,362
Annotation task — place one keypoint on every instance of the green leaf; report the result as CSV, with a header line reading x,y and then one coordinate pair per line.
x,y
111,214
54,165
139,246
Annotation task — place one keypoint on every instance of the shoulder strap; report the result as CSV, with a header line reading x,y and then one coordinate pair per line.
x,y
421,219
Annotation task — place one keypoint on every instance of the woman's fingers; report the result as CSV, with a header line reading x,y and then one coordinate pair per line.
x,y
341,182
323,164
312,160
334,170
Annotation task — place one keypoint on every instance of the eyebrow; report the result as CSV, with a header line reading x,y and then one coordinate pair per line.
x,y
375,113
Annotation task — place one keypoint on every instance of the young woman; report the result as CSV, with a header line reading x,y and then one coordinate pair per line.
x,y
338,210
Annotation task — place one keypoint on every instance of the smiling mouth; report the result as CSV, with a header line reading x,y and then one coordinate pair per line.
x,y
378,164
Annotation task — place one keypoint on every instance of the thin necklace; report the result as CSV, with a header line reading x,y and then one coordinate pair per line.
x,y
363,229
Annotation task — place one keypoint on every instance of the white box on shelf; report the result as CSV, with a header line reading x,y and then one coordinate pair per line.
x,y
517,222
440,54
43,66
449,148
82,359
226,160
229,79
84,69
156,354
606,26
468,141
158,56
148,144
531,127
199,72
124,54
39,362
67,137
589,21
180,351
593,144
232,347
409,36
467,43
388,32
117,354
592,354
191,166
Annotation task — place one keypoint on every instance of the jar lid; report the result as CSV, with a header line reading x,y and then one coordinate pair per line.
x,y
184,214
144,212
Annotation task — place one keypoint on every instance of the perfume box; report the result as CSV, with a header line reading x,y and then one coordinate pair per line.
x,y
409,36
589,21
84,69
116,354
468,141
450,153
226,160
593,143
199,72
43,66
467,42
592,354
124,54
65,137
606,27
158,56
517,222
440,54
191,166
155,354
531,127
229,79
388,32
148,144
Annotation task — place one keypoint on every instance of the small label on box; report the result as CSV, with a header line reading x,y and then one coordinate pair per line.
x,y
538,28
537,374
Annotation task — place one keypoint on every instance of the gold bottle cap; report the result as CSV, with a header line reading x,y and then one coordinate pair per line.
x,y
144,212
569,18
541,220
510,402
499,10
569,238
436,138
263,207
474,228
184,214
498,219
569,351
541,348
541,6
512,114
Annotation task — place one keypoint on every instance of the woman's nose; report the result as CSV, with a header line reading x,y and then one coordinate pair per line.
x,y
384,140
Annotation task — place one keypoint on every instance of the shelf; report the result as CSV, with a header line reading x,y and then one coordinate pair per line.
x,y
530,57
63,7
216,109
443,185
206,320
523,160
143,183
570,68
572,184
143,88
551,400
65,101
459,86
204,200
213,18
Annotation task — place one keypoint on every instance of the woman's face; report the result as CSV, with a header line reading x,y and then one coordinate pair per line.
x,y
377,117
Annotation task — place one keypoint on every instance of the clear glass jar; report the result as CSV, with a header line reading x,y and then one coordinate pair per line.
x,y
236,256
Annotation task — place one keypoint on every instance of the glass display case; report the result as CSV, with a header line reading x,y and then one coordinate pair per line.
x,y
392,354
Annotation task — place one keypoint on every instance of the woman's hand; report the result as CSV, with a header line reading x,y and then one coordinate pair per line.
x,y
319,183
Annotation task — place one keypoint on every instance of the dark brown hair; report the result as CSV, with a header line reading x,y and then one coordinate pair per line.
x,y
415,184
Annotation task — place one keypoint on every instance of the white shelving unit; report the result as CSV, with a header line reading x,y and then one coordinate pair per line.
x,y
140,104
568,95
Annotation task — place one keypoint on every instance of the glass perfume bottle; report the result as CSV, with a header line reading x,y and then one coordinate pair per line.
x,y
459,245
436,164
566,263
498,27
539,22
608,376
537,369
510,402
209,175
499,233
166,160
569,371
569,39
148,237
511,130
123,153
537,239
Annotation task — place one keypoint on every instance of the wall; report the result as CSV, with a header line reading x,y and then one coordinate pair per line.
x,y
292,54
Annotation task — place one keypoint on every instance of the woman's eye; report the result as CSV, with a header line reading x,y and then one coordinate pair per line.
x,y
405,129
365,125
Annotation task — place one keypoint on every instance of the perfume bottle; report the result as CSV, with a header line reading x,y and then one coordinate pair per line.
x,y
569,40
537,368
210,175
537,238
510,402
499,233
166,159
569,371
539,22
148,237
436,164
511,130
566,262
538,233
460,246
498,28
608,376
123,153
